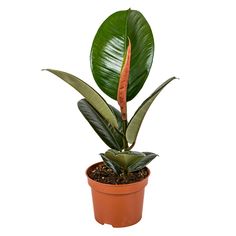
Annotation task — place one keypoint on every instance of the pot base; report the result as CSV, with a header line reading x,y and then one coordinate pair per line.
x,y
118,226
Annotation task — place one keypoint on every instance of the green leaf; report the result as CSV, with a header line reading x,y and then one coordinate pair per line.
x,y
93,97
142,162
128,161
117,113
111,164
106,132
128,158
137,119
109,49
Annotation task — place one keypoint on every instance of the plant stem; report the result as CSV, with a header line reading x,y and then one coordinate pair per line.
x,y
130,147
124,123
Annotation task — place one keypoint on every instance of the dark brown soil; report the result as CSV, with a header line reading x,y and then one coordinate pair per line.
x,y
105,175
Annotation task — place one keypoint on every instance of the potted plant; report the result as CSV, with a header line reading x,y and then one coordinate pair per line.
x,y
121,58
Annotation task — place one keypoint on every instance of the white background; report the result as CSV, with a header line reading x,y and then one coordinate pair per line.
x,y
46,144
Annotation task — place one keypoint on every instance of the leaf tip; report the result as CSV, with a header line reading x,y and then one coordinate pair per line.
x,y
50,70
175,78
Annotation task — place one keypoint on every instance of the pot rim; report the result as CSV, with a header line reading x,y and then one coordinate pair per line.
x,y
116,185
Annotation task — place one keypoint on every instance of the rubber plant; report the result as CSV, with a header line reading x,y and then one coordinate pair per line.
x,y
121,58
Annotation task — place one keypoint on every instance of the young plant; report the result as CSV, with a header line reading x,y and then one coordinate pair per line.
x,y
121,58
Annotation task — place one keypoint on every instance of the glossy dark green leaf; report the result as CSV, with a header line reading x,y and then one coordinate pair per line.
x,y
142,162
117,113
89,93
109,49
128,161
137,119
128,158
106,132
112,164
123,159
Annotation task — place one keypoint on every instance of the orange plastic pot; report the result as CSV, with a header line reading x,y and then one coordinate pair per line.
x,y
117,205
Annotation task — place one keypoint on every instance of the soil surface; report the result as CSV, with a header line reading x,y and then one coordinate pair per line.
x,y
105,175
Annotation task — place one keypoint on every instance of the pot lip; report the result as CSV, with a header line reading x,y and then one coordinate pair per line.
x,y
116,185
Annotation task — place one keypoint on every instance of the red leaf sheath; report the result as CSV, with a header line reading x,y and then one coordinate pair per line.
x,y
123,84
